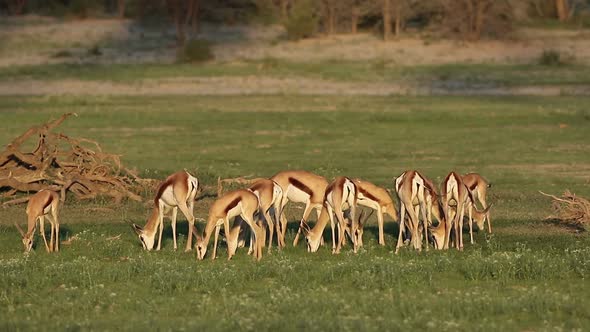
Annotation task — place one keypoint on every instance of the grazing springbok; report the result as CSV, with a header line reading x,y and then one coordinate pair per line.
x,y
456,195
45,203
378,199
340,197
417,196
480,217
300,187
314,236
178,191
241,202
270,195
478,186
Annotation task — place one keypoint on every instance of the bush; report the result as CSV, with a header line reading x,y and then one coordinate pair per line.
x,y
302,21
550,58
197,50
266,12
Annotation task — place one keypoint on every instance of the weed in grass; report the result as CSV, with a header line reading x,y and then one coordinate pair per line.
x,y
550,58
529,275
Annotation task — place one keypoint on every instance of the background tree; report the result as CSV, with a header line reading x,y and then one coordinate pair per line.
x,y
563,10
394,12
16,7
472,18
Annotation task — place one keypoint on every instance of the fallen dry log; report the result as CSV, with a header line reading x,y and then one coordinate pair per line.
x,y
571,209
243,180
63,163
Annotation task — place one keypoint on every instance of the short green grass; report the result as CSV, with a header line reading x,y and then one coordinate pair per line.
x,y
530,275
356,71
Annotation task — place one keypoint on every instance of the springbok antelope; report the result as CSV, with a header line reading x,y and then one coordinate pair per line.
x,y
454,191
439,234
378,199
270,195
314,236
242,202
45,203
300,187
478,186
341,195
178,191
416,193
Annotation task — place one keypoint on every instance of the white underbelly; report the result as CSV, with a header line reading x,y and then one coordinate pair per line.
x,y
168,197
235,211
367,202
297,196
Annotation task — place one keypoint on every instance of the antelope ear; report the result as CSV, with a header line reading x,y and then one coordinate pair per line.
x,y
138,230
305,228
196,233
20,230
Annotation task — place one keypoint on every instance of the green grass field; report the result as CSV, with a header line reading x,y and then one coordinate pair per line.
x,y
531,274
354,71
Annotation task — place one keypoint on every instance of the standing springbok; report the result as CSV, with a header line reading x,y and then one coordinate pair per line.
x,y
378,199
417,194
314,236
453,190
340,195
45,203
300,187
270,195
241,202
178,191
478,186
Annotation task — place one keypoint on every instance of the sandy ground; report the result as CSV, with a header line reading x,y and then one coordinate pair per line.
x,y
265,85
34,40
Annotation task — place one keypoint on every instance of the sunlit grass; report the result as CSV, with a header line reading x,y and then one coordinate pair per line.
x,y
351,71
530,275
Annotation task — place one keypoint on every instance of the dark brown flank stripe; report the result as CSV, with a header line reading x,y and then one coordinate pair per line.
x,y
257,186
161,189
48,202
184,182
329,189
301,186
367,194
473,186
232,204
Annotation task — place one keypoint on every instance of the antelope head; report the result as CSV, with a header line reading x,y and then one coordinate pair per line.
x,y
438,235
27,238
481,216
357,229
313,241
146,241
200,246
232,240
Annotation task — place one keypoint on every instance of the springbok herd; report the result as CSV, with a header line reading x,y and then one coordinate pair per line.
x,y
261,207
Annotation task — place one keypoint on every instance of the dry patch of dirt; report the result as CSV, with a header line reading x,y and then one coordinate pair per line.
x,y
34,40
260,85
128,132
542,228
572,170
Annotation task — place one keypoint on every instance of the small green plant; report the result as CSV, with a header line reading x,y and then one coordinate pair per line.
x,y
550,58
266,12
83,8
62,54
197,50
95,51
303,21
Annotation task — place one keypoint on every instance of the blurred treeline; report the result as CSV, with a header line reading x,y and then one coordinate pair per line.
x,y
465,19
